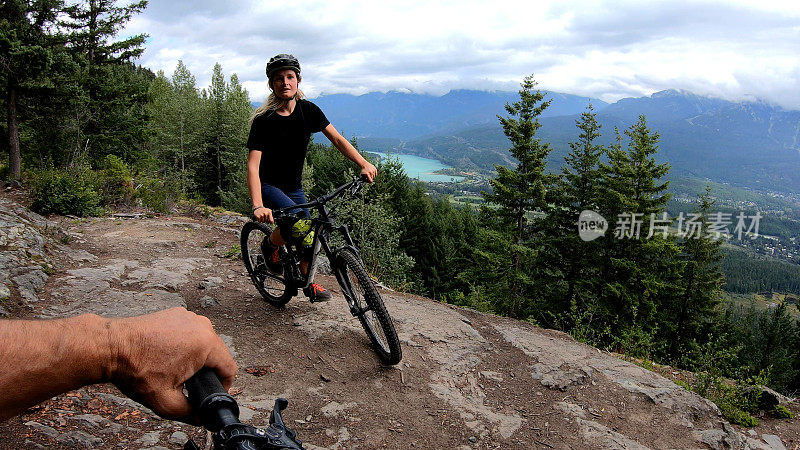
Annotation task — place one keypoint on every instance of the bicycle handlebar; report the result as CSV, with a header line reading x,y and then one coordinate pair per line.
x,y
215,408
357,183
218,412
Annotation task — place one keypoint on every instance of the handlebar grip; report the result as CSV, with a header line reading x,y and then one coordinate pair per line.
x,y
202,385
212,405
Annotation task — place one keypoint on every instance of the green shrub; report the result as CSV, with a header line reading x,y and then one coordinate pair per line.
x,y
781,412
737,402
156,194
66,192
3,171
737,416
115,181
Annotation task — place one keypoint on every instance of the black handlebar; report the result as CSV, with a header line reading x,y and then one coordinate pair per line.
x,y
356,184
215,408
218,412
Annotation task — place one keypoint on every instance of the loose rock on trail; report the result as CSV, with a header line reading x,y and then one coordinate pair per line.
x,y
468,380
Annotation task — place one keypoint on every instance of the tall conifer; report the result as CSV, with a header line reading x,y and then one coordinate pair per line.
x,y
116,90
578,190
521,190
690,317
26,55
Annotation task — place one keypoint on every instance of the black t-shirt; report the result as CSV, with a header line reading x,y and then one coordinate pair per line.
x,y
283,141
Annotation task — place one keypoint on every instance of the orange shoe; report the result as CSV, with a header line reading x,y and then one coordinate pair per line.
x,y
317,293
272,257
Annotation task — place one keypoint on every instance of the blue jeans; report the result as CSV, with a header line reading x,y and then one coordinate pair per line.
x,y
275,198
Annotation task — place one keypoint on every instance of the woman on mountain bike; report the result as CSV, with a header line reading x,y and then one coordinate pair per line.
x,y
280,131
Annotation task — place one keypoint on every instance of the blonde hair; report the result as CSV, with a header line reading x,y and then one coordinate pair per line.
x,y
273,102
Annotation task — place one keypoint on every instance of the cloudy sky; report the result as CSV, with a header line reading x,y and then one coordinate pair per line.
x,y
606,49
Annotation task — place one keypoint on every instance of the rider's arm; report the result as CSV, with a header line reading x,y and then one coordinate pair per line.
x,y
253,180
349,151
147,357
261,213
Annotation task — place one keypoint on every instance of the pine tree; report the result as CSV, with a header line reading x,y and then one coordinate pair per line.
x,y
95,22
690,318
116,90
26,56
578,190
521,190
234,194
209,170
639,271
177,125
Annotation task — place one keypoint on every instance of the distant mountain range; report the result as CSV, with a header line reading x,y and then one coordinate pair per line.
x,y
407,116
747,144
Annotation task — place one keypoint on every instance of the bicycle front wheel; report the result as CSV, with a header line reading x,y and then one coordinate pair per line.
x,y
273,287
357,284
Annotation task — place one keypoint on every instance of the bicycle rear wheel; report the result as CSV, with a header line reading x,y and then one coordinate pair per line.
x,y
356,283
273,287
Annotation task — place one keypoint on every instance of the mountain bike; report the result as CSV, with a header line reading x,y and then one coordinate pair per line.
x,y
358,288
218,412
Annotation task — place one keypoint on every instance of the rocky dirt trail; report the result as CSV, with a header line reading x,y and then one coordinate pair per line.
x,y
467,380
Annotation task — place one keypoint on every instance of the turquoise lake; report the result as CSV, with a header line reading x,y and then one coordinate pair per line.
x,y
423,168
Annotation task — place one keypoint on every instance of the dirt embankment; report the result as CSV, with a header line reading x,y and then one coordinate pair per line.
x,y
468,380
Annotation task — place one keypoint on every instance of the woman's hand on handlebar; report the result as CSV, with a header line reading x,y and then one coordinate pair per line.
x,y
263,215
369,171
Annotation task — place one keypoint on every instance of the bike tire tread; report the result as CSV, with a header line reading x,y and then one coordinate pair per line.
x,y
348,259
276,301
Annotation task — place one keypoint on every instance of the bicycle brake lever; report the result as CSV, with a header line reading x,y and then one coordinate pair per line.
x,y
190,445
358,184
278,431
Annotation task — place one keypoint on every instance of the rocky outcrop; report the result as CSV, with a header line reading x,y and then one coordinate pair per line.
x,y
24,257
468,380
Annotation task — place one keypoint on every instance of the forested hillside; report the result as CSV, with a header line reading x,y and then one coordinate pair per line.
x,y
401,115
748,144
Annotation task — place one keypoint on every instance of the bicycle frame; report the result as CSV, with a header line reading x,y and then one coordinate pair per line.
x,y
323,226
358,286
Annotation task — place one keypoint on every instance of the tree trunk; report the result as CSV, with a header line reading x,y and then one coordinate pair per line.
x,y
219,170
514,287
14,158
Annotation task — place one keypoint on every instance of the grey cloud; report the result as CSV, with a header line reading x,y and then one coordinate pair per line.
x,y
634,22
241,40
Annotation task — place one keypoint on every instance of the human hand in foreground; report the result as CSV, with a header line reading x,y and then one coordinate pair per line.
x,y
148,357
157,353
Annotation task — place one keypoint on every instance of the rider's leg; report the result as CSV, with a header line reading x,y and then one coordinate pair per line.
x,y
298,197
275,198
314,292
277,240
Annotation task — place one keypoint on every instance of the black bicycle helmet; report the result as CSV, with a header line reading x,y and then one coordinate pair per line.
x,y
280,62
